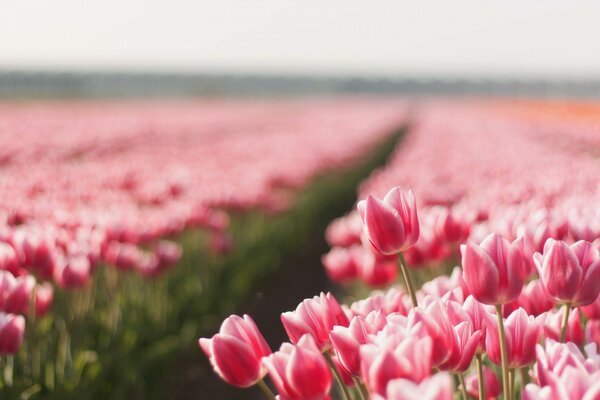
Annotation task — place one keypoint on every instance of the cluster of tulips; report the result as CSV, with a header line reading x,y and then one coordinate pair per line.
x,y
93,183
504,323
480,168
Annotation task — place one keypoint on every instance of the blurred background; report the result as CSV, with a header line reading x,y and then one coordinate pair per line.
x,y
186,48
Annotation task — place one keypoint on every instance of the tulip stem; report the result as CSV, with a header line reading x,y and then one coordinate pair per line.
x,y
565,323
263,386
503,353
480,377
338,378
407,279
463,386
511,381
362,390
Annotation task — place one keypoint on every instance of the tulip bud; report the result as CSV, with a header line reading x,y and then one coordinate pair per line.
x,y
570,274
236,351
391,224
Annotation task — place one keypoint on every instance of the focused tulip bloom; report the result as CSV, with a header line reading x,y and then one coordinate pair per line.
x,y
236,351
300,372
494,271
346,343
391,224
522,332
436,323
438,387
410,359
465,345
316,317
562,372
491,384
570,273
12,329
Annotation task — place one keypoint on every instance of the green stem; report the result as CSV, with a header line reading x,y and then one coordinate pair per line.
x,y
565,323
408,279
463,387
511,382
524,376
265,389
480,377
362,390
503,354
9,370
338,378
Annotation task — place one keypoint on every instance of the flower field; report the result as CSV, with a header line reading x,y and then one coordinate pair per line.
x,y
120,222
487,270
460,239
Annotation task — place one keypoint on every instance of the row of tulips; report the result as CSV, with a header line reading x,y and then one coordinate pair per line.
x,y
492,314
93,183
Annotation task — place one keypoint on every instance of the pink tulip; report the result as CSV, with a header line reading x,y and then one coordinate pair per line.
x,y
344,231
495,270
408,359
438,387
391,224
521,332
299,372
464,347
19,298
375,270
437,324
316,317
73,272
553,324
346,343
44,295
534,299
392,301
570,274
340,264
491,384
12,329
236,351
168,253
592,311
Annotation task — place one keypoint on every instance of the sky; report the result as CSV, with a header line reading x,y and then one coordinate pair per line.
x,y
424,38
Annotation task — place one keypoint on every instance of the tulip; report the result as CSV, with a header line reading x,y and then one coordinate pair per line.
x,y
346,343
552,326
44,295
340,263
522,333
534,299
73,272
391,224
437,387
408,359
300,372
316,317
12,329
436,323
236,351
392,301
570,274
491,384
495,270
